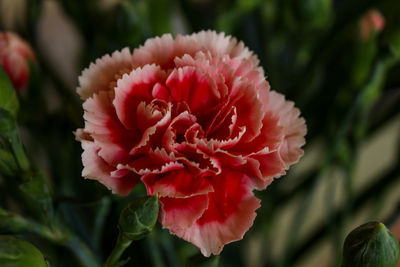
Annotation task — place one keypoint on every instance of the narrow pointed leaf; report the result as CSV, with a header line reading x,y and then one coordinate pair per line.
x,y
8,96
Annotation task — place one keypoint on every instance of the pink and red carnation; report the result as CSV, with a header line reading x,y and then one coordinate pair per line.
x,y
195,120
14,56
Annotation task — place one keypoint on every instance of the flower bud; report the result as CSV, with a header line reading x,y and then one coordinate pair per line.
x,y
371,245
371,23
15,54
15,252
138,218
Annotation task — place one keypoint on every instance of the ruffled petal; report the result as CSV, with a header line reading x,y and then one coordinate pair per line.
x,y
152,136
133,89
197,160
294,128
224,126
82,135
218,44
101,122
175,132
182,212
227,143
98,169
101,74
230,213
269,139
248,107
263,168
153,162
245,68
194,87
215,67
162,50
178,184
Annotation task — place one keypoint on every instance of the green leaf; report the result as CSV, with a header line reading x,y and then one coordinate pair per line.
x,y
8,166
15,252
13,223
7,122
8,130
138,218
362,61
37,188
371,245
37,191
8,95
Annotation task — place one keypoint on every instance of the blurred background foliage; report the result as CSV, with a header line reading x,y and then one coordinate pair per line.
x,y
346,85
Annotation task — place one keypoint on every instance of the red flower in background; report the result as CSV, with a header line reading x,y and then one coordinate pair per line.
x,y
194,119
14,56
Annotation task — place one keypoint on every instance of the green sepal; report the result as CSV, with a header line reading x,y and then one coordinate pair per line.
x,y
371,245
138,218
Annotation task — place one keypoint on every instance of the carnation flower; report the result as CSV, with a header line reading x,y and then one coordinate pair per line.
x,y
14,56
194,119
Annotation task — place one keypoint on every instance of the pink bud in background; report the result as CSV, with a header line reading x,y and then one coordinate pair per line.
x,y
14,56
371,22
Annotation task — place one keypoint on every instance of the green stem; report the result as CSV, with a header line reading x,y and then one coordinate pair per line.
x,y
122,244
